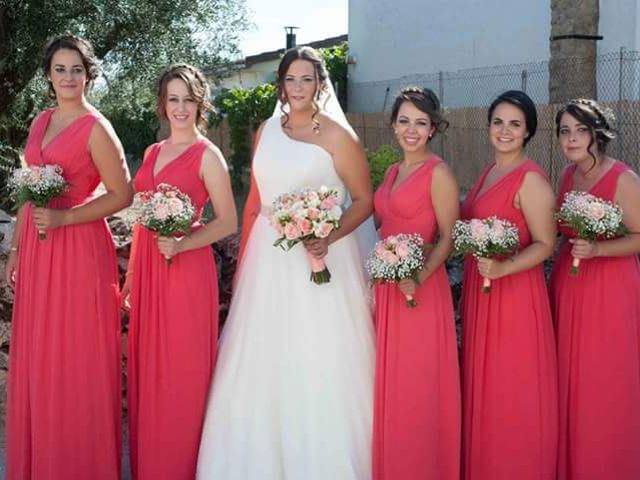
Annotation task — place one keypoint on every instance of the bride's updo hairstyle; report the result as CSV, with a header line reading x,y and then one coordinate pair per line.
x,y
313,57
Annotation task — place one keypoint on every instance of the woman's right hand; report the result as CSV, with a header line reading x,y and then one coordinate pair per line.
x,y
11,269
125,293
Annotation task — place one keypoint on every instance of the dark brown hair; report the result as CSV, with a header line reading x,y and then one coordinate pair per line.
x,y
71,42
522,102
312,56
196,85
425,100
593,115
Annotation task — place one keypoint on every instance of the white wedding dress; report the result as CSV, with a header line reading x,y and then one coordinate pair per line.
x,y
292,393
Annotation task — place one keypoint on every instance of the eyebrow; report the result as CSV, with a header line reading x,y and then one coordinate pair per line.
x,y
72,66
419,118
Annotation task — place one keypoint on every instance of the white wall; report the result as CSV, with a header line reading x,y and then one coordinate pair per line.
x,y
257,74
399,42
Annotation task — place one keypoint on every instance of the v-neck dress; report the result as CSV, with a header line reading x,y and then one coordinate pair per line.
x,y
416,432
597,318
173,333
63,418
509,372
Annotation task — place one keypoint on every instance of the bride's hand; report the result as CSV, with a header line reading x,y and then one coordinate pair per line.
x,y
318,247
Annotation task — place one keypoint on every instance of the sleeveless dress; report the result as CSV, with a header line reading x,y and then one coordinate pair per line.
x,y
63,418
173,334
417,389
509,371
597,317
293,389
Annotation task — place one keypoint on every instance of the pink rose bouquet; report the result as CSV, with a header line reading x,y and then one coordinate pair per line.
x,y
38,184
486,238
306,214
166,211
591,218
395,258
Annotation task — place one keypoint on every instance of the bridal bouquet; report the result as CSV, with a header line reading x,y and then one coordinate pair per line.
x,y
395,258
486,238
38,184
306,214
591,218
166,211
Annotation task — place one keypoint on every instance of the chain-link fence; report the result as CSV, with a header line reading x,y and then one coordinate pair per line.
x,y
467,93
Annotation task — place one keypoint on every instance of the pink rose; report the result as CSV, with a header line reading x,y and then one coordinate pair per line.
x,y
390,257
403,250
328,203
161,212
291,231
322,230
312,196
596,211
497,229
313,213
305,226
175,205
478,230
380,249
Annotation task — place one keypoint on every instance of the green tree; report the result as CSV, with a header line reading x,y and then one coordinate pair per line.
x,y
335,58
245,109
135,39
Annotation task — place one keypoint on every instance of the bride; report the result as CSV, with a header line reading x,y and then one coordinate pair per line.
x,y
292,393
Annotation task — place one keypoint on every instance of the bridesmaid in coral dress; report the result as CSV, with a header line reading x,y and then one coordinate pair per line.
x,y
417,386
597,312
509,371
173,326
63,418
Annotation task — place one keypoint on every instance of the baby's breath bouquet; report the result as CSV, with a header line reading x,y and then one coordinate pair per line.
x,y
38,184
395,258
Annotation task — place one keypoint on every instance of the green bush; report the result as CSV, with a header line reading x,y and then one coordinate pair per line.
x,y
380,160
245,109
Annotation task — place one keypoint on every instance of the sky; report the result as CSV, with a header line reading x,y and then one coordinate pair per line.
x,y
317,19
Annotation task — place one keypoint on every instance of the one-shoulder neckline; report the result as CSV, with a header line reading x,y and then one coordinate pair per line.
x,y
47,122
278,125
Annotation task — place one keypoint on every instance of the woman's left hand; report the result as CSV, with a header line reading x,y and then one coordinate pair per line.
x,y
583,248
49,218
318,247
408,286
169,246
491,268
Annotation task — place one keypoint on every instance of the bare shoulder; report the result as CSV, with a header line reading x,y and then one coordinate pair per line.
x,y
629,182
335,132
212,156
535,180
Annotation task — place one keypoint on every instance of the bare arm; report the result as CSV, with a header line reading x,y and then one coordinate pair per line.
x,y
537,202
351,164
445,196
628,197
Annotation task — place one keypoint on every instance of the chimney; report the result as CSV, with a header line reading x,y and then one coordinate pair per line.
x,y
291,36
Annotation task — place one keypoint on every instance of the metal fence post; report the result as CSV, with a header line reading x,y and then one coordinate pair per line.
x,y
524,81
620,96
441,86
